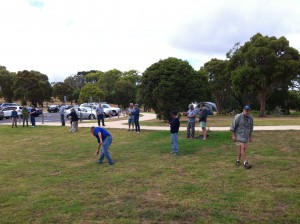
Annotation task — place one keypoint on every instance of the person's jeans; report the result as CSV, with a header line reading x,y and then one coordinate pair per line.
x,y
104,150
32,118
191,125
25,119
174,141
100,117
62,119
137,125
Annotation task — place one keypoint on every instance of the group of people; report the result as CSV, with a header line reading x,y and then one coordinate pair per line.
x,y
26,113
134,118
241,129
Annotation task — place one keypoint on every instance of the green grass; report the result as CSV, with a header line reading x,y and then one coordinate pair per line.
x,y
49,175
226,120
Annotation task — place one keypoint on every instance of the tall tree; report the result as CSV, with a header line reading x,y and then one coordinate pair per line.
x,y
169,84
91,91
217,79
33,86
61,89
6,84
107,83
125,92
264,63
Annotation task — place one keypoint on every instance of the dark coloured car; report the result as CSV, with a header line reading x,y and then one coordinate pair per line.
x,y
53,109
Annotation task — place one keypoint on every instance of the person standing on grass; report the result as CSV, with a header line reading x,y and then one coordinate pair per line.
x,y
74,121
130,113
137,118
100,115
203,119
174,128
32,116
62,110
191,115
14,116
104,139
25,115
241,129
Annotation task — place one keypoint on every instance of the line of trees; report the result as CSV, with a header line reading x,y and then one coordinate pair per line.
x,y
264,72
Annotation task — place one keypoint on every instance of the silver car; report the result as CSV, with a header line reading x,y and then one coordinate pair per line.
x,y
84,113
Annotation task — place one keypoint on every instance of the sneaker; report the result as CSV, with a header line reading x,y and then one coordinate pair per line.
x,y
247,165
172,153
112,163
99,162
238,163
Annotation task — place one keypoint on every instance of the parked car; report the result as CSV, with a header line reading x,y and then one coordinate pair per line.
x,y
3,105
7,111
1,115
113,110
53,108
38,111
85,112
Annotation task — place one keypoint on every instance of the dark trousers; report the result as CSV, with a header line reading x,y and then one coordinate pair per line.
x,y
100,117
137,124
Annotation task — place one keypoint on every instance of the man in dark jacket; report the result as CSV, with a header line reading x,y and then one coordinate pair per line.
x,y
174,128
203,119
74,121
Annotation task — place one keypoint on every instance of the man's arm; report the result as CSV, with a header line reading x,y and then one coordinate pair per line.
x,y
99,143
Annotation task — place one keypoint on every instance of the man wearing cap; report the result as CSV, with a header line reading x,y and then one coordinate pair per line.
x,y
241,129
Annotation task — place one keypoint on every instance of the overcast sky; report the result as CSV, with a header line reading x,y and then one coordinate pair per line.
x,y
61,37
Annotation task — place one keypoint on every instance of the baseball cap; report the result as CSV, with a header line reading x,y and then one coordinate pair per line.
x,y
247,107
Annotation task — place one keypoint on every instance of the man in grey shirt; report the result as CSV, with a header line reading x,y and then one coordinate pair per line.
x,y
130,113
241,129
191,115
100,114
62,110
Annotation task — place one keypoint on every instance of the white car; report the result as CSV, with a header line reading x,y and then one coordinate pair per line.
x,y
7,111
113,110
83,112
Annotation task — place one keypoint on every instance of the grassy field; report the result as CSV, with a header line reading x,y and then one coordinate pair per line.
x,y
49,175
225,121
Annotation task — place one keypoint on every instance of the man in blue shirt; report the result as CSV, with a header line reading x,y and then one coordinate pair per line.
x,y
105,139
137,119
100,115
14,116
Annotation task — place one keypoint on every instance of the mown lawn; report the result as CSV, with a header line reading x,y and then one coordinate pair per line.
x,y
226,120
49,175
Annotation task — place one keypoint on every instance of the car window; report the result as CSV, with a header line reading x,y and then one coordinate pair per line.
x,y
105,106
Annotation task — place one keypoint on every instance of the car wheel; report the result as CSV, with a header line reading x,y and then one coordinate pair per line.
x,y
6,117
1,118
114,113
92,116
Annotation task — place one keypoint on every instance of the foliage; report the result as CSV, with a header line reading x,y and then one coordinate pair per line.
x,y
107,83
169,84
217,79
33,86
6,83
91,91
264,64
62,89
125,93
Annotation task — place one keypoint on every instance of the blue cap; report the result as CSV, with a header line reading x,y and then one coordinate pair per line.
x,y
247,107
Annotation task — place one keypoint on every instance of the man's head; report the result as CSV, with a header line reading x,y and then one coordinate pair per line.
x,y
246,110
62,103
14,109
92,129
174,113
191,106
136,105
32,106
202,105
131,105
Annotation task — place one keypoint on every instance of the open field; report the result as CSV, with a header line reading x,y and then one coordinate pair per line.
x,y
49,175
225,121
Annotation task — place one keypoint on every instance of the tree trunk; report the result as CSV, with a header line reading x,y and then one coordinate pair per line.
x,y
263,103
219,104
